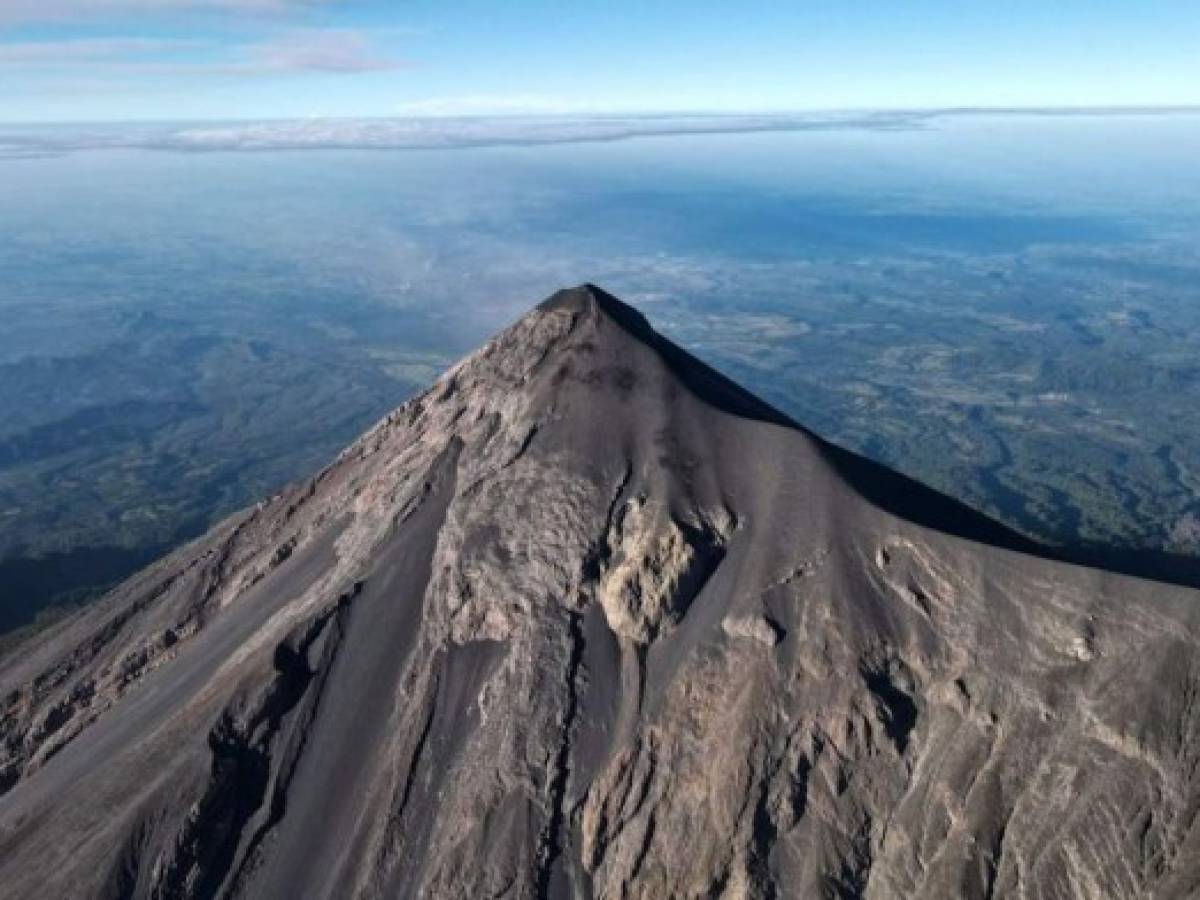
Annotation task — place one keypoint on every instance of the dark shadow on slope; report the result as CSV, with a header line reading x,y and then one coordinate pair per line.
x,y
897,710
33,586
35,590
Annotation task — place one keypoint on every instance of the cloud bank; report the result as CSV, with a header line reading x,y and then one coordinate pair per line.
x,y
322,50
438,132
15,12
423,133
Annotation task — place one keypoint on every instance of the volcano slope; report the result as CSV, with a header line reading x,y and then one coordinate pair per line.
x,y
585,619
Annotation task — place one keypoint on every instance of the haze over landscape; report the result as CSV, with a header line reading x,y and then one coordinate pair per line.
x,y
328,567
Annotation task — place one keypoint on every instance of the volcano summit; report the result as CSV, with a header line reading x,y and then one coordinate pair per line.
x,y
586,619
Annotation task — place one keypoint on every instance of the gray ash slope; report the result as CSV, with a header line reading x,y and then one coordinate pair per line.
x,y
586,619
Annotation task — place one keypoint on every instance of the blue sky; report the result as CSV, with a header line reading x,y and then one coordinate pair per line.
x,y
96,60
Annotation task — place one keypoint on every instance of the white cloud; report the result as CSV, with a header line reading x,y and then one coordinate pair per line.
x,y
433,132
33,53
20,11
417,133
430,132
422,133
328,50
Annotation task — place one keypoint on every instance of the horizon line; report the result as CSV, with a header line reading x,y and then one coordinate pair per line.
x,y
585,114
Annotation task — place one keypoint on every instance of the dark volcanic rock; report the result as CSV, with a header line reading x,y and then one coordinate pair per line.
x,y
587,619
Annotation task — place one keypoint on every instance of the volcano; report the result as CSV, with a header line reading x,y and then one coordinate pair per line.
x,y
586,619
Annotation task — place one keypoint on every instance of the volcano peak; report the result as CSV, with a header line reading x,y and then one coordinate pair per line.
x,y
586,618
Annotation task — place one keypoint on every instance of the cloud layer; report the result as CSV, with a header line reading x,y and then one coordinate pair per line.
x,y
14,12
432,132
322,50
426,133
